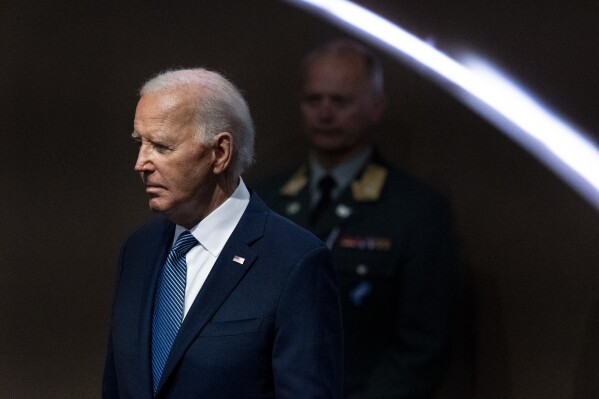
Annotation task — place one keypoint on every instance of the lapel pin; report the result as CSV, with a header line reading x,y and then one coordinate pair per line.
x,y
238,259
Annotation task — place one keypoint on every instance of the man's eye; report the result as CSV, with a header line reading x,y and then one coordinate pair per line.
x,y
312,99
341,100
161,147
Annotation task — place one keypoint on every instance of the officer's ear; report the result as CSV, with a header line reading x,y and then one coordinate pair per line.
x,y
222,152
378,104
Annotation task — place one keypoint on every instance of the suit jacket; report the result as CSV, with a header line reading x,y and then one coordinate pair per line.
x,y
393,248
269,327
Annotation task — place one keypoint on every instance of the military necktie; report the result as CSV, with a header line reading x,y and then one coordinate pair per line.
x,y
325,187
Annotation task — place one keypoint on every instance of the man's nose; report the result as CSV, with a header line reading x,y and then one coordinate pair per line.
x,y
143,162
326,110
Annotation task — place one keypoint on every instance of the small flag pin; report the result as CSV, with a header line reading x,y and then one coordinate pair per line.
x,y
238,259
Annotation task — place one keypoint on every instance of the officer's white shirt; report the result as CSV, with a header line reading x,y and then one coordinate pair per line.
x,y
343,174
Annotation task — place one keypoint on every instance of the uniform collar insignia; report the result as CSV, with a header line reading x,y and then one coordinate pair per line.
x,y
296,183
370,185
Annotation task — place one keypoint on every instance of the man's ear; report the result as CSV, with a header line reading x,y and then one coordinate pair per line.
x,y
377,109
223,152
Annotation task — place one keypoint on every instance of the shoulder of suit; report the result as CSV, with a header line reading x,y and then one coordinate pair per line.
x,y
403,187
283,230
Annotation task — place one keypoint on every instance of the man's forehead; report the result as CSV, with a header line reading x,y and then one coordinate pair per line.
x,y
165,104
163,100
339,61
336,73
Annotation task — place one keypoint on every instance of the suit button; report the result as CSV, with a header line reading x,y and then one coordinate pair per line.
x,y
361,270
293,208
343,211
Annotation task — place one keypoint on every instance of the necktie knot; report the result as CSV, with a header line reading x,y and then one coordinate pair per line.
x,y
326,185
185,242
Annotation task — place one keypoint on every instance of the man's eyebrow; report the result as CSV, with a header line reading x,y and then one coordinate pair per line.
x,y
134,135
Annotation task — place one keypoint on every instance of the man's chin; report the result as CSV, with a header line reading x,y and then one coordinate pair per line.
x,y
330,148
327,144
157,206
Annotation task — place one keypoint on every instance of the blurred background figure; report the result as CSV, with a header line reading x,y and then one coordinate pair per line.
x,y
391,235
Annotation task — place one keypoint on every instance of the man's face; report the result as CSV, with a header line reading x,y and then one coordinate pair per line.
x,y
338,109
173,165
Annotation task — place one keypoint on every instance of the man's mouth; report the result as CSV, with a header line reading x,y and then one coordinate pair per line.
x,y
153,189
326,132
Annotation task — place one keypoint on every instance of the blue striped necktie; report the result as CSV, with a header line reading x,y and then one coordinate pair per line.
x,y
169,304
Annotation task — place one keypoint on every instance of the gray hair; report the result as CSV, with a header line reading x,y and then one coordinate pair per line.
x,y
219,107
341,47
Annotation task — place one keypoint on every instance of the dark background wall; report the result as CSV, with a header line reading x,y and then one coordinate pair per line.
x,y
69,73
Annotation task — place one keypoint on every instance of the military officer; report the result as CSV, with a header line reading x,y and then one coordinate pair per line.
x,y
391,235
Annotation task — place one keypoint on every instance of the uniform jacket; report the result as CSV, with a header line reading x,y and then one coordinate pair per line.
x,y
393,248
266,326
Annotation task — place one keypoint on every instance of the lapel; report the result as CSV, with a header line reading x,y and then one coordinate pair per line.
x,y
296,197
222,280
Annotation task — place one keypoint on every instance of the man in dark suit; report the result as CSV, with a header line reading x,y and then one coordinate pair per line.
x,y
217,297
390,234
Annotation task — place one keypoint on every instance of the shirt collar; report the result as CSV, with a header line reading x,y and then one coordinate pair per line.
x,y
343,173
215,229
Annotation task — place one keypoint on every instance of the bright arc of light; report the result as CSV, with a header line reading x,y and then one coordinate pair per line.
x,y
558,145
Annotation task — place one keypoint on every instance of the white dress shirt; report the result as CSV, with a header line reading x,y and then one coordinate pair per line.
x,y
212,233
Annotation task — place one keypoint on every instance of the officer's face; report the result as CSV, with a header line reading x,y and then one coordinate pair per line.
x,y
338,109
174,166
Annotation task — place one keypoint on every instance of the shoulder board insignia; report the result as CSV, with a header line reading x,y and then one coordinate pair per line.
x,y
370,185
296,183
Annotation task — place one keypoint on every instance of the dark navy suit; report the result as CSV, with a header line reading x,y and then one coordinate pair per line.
x,y
270,327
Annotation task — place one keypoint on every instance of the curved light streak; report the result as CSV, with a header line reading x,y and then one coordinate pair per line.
x,y
563,149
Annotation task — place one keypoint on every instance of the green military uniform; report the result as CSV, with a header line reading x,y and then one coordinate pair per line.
x,y
394,251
